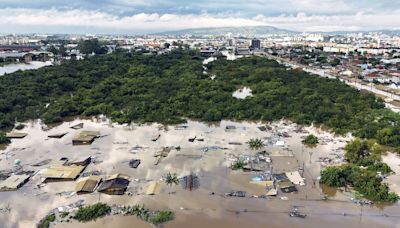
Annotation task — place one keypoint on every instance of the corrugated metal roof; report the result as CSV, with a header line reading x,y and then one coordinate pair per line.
x,y
118,175
13,182
295,177
62,172
87,184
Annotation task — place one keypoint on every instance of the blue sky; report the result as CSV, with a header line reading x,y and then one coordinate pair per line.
x,y
146,16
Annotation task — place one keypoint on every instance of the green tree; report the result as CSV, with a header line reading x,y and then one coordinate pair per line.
x,y
91,46
356,150
311,140
171,179
4,139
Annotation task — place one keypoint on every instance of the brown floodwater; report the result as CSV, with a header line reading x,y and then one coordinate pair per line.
x,y
197,208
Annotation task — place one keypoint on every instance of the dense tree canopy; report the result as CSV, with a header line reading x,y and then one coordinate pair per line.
x,y
91,46
364,181
168,88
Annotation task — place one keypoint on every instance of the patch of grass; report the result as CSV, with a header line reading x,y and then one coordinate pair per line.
x,y
162,217
238,165
92,212
64,214
45,223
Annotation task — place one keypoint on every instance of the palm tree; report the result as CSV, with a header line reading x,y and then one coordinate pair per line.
x,y
171,178
255,144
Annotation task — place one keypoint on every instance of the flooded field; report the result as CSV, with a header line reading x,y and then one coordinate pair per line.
x,y
201,149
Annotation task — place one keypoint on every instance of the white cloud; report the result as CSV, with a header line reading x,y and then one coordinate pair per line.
x,y
100,21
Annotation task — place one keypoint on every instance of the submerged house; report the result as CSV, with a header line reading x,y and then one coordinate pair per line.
x,y
16,135
153,188
61,173
295,178
81,162
14,182
85,137
114,185
87,184
287,187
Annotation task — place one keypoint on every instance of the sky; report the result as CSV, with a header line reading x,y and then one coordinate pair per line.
x,y
150,16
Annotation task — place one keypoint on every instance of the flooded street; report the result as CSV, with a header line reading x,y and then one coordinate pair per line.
x,y
208,155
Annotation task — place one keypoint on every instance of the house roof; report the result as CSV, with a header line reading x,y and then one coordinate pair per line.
x,y
13,182
87,184
116,183
86,136
153,188
295,177
118,175
16,135
62,172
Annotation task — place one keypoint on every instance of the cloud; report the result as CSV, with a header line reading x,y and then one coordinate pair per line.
x,y
326,23
69,20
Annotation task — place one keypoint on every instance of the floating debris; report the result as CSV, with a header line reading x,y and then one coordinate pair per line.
x,y
295,213
212,148
134,163
180,127
42,163
154,138
236,194
192,139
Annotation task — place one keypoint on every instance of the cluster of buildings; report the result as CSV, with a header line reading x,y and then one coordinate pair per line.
x,y
369,57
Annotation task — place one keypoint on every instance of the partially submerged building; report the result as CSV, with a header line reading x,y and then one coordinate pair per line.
x,y
295,178
87,184
153,188
77,126
114,185
61,173
287,187
16,135
81,162
58,135
85,137
14,182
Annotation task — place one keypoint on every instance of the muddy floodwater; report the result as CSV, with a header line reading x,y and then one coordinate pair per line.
x,y
208,156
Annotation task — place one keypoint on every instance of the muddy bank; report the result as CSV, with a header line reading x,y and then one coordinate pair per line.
x,y
207,156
